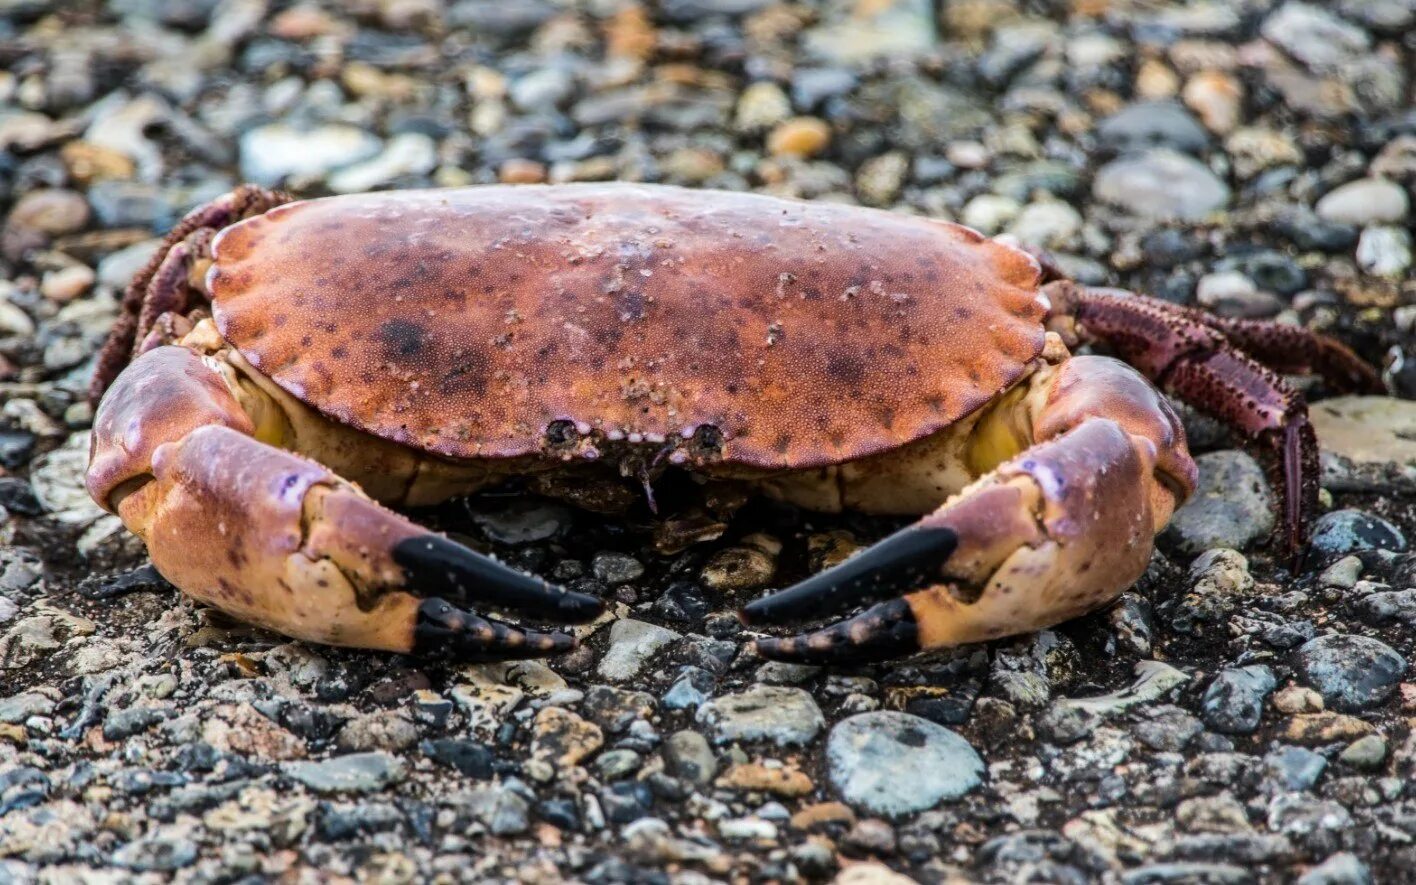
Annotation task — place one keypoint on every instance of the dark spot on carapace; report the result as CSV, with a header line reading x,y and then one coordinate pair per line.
x,y
403,339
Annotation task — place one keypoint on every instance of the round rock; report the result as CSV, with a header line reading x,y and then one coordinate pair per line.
x,y
1343,531
1161,184
1365,201
782,716
1231,507
1351,672
892,763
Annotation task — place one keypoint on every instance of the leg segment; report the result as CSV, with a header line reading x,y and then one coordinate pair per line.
x,y
1202,360
165,284
276,540
1049,534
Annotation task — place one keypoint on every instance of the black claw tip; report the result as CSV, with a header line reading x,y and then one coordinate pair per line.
x,y
908,560
883,632
433,564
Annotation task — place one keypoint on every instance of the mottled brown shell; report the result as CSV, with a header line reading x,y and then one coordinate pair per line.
x,y
467,322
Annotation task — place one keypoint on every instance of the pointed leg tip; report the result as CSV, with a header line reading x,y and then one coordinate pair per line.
x,y
579,608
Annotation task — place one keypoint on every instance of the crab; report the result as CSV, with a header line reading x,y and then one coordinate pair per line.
x,y
286,373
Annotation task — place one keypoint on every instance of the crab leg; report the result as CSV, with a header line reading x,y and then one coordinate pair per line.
x,y
165,285
1224,367
277,540
1049,534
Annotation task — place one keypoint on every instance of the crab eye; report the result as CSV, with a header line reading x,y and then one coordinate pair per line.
x,y
707,441
561,434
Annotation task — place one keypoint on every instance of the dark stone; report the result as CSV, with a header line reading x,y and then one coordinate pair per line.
x,y
626,801
469,757
17,496
1234,701
1352,673
1152,124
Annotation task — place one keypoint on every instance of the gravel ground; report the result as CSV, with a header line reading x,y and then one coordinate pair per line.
x,y
1226,721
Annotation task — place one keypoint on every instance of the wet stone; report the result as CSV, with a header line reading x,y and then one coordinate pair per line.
x,y
1343,868
1294,768
1352,673
1232,505
156,855
687,755
892,763
469,757
632,644
1163,124
1344,531
354,773
782,716
1161,184
1234,701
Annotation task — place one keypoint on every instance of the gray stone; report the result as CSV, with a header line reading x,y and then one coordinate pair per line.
x,y
355,773
782,716
1161,184
1352,673
273,153
1368,443
1232,505
1295,768
616,568
1343,531
407,154
156,854
891,763
1366,753
1314,36
1340,869
1388,607
1365,201
1153,124
632,644
1384,251
1234,701
17,708
688,756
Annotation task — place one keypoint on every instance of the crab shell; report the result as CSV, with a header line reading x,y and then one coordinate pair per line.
x,y
425,343
784,335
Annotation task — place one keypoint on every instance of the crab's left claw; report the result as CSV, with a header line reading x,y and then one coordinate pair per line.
x,y
1049,534
277,540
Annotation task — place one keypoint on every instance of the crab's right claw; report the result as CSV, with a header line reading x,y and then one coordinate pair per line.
x,y
1057,531
277,540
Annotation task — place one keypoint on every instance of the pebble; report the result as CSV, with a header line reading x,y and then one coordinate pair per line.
x,y
616,568
1232,505
1155,124
1365,201
1352,673
273,153
409,154
1343,868
1343,531
1368,443
563,738
892,763
67,284
354,773
1384,251
1366,753
687,755
1234,701
1314,35
761,106
990,213
777,715
632,644
1161,185
48,213
1047,225
1295,768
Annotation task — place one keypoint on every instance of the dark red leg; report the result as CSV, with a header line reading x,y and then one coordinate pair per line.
x,y
161,284
1201,359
